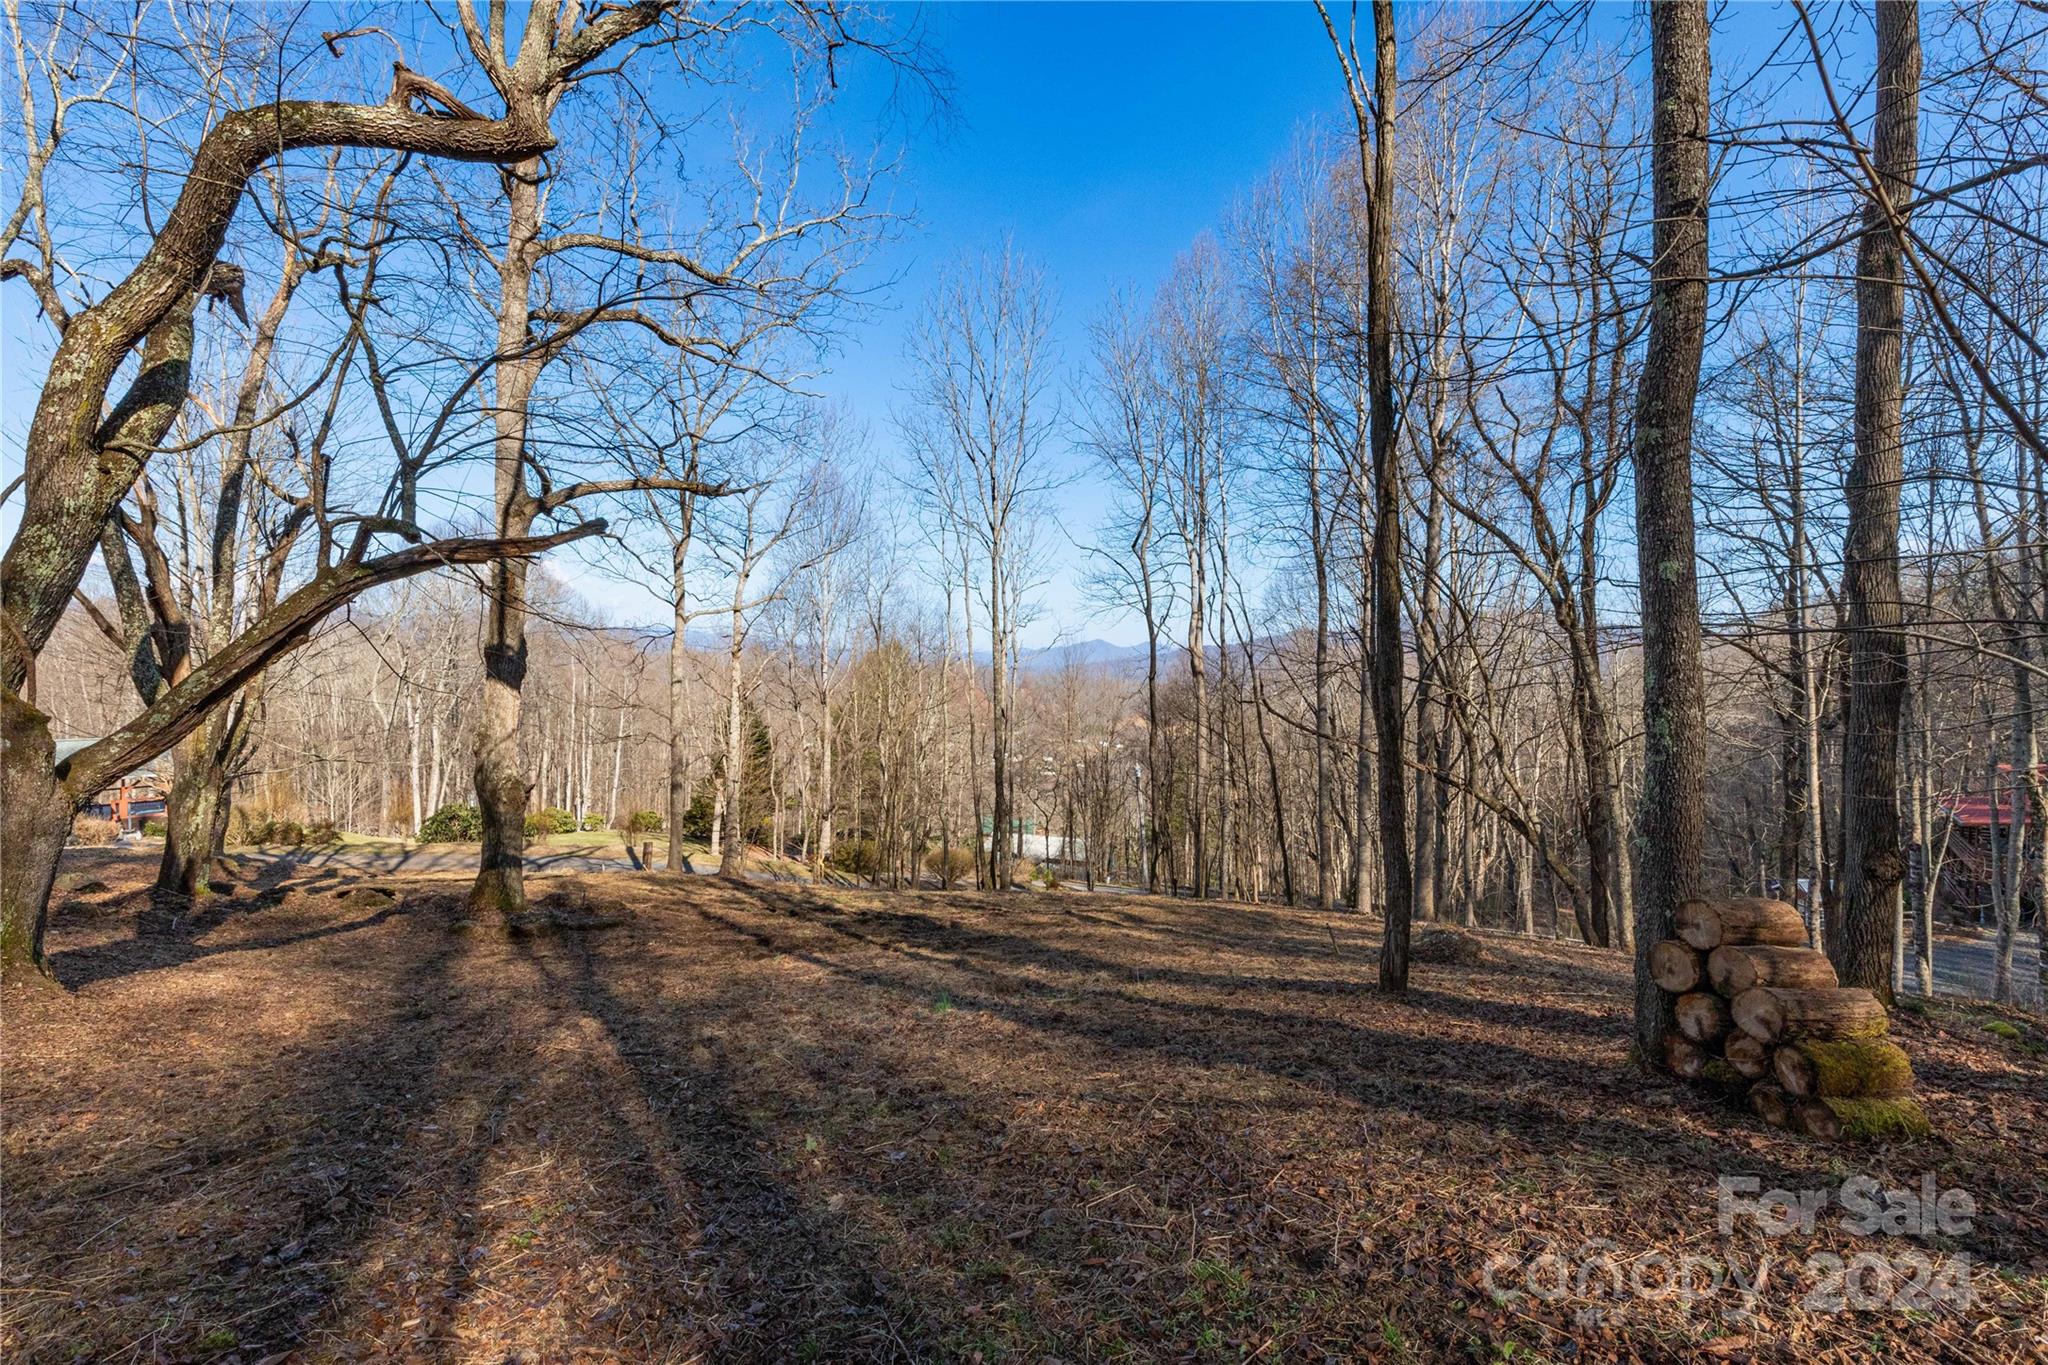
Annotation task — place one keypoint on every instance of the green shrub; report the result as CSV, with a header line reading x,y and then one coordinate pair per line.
x,y
950,865
155,829
696,822
323,832
591,822
552,820
857,857
453,824
644,822
287,832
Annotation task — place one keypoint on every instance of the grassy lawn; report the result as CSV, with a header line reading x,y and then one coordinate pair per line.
x,y
771,1122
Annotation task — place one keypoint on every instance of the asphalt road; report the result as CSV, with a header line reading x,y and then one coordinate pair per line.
x,y
1963,966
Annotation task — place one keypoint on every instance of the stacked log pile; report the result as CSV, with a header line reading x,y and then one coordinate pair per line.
x,y
1761,1013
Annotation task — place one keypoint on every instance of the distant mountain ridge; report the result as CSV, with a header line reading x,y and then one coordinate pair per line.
x,y
1088,654
1082,654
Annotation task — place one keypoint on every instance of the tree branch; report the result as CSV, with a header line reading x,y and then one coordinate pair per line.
x,y
180,709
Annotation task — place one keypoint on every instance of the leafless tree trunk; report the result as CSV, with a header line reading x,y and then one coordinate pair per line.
x,y
1376,167
1873,864
1671,816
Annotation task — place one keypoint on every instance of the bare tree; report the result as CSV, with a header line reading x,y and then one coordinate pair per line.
x,y
1670,819
1861,938
1374,112
1125,432
81,458
982,409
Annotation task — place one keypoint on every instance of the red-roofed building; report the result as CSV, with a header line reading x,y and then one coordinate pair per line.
x,y
1981,825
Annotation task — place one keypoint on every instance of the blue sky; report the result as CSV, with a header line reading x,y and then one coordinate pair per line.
x,y
1101,140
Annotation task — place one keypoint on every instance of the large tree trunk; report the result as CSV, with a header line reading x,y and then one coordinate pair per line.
x,y
500,775
1396,871
678,730
1873,864
1670,824
35,820
197,792
1597,811
732,853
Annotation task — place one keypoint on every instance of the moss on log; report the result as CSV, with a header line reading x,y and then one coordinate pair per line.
x,y
1862,1120
1719,1073
1676,966
1736,968
1846,1069
1707,925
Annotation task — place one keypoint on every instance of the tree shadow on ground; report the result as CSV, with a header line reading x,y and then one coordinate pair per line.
x,y
229,1216
1482,1080
774,1127
772,1277
177,940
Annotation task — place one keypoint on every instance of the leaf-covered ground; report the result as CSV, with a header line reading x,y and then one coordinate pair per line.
x,y
720,1122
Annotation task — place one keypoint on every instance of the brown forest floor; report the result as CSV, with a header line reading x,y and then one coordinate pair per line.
x,y
771,1123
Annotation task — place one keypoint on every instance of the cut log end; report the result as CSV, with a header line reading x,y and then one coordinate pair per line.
x,y
1707,925
1750,1056
1702,1016
1770,1103
1687,1059
1676,966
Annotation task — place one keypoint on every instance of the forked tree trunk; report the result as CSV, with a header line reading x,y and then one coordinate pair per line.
x,y
500,885
1670,826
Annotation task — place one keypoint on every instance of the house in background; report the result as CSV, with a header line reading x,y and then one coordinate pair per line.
x,y
1029,841
1981,829
137,797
